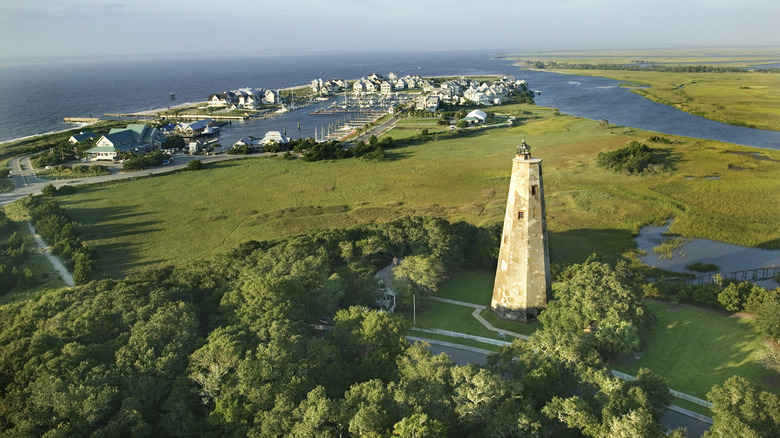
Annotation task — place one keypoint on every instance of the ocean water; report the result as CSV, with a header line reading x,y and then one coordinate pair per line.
x,y
37,96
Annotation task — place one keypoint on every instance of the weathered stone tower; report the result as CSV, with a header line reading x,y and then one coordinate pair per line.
x,y
523,275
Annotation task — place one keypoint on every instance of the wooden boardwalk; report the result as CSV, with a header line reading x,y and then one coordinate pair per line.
x,y
749,275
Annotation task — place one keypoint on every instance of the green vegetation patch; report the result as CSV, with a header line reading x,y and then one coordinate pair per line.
x,y
163,219
696,349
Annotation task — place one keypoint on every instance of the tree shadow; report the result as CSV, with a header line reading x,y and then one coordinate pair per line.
x,y
668,158
576,246
106,229
769,244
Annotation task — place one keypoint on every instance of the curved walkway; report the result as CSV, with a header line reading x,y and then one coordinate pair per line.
x,y
46,251
476,314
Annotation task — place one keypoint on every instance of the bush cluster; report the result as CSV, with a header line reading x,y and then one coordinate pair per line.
x,y
139,162
12,254
53,224
635,158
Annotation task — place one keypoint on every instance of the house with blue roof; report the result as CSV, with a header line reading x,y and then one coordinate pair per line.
x,y
134,139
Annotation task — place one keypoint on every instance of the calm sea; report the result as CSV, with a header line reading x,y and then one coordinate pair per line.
x,y
37,96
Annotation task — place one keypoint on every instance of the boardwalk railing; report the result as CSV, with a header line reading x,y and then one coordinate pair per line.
x,y
751,275
463,336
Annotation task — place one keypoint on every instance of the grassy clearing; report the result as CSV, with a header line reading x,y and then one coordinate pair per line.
x,y
474,287
191,215
452,317
695,349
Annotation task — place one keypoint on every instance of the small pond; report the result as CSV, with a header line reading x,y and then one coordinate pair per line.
x,y
728,257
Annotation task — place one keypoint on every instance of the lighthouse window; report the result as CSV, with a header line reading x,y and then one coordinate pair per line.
x,y
520,214
534,190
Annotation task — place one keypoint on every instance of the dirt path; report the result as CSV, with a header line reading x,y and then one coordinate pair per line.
x,y
58,266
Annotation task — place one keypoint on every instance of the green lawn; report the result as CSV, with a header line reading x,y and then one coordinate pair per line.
x,y
474,287
451,317
695,349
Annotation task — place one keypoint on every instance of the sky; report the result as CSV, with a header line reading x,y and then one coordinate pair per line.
x,y
33,29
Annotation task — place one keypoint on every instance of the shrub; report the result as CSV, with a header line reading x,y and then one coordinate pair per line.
x,y
195,165
635,158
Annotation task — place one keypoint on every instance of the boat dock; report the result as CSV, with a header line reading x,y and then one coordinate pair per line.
x,y
331,111
177,116
80,119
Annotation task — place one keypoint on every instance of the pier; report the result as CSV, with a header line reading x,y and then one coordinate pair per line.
x,y
176,116
80,119
331,111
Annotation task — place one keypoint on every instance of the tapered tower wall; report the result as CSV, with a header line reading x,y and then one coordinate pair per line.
x,y
522,284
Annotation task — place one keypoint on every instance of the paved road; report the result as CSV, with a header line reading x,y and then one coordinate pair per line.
x,y
465,355
27,183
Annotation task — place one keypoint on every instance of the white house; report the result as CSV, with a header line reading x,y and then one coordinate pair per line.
x,y
225,99
255,143
194,128
272,96
430,103
274,136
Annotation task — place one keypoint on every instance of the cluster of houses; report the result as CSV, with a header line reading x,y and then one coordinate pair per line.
x,y
140,138
201,134
135,139
461,91
244,98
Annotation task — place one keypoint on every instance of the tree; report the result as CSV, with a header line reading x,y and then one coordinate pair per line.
x,y
49,190
768,317
371,341
195,165
603,303
424,273
419,426
742,410
174,142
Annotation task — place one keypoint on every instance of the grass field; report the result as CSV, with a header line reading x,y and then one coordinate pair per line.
x,y
186,216
695,349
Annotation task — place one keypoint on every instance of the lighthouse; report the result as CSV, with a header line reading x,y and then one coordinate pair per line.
x,y
522,284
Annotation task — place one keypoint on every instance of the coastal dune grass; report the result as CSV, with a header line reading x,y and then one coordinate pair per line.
x,y
185,216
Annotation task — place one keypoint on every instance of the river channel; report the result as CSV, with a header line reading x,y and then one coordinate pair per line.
x,y
601,98
727,257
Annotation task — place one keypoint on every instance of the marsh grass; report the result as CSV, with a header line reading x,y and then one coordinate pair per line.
x,y
187,216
